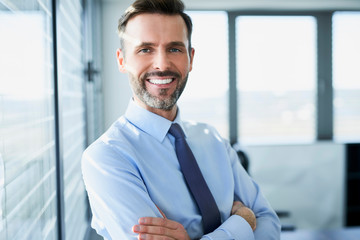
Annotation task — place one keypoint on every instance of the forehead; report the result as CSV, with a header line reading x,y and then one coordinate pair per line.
x,y
156,28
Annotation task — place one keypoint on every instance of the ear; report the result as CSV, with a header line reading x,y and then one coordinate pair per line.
x,y
192,53
120,60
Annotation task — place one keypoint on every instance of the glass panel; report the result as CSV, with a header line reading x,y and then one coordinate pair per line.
x,y
27,142
71,77
346,75
205,98
276,76
93,55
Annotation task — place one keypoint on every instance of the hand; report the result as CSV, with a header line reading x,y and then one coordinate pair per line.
x,y
240,209
160,228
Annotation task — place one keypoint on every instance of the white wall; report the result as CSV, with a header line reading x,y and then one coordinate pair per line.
x,y
116,87
306,180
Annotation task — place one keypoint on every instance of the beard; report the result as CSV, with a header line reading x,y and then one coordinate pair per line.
x,y
139,88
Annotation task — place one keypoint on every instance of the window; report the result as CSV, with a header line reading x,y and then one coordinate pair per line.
x,y
346,75
42,120
71,78
276,78
28,200
205,98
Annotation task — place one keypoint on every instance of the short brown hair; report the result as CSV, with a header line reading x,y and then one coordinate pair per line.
x,y
167,7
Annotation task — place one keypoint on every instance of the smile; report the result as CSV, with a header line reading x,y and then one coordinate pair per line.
x,y
161,81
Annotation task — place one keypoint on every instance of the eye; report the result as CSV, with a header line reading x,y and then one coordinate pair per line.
x,y
144,50
174,50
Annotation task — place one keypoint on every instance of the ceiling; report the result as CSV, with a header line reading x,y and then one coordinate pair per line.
x,y
264,4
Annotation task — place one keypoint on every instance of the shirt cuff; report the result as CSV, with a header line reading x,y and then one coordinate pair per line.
x,y
234,228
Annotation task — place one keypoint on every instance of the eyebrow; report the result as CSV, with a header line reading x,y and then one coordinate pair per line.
x,y
149,44
142,44
177,43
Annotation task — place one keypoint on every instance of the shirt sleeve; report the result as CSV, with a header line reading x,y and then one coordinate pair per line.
x,y
248,192
117,194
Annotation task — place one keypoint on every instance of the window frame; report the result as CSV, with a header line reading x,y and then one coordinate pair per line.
x,y
324,90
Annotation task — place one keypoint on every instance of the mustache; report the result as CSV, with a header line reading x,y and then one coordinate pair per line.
x,y
166,73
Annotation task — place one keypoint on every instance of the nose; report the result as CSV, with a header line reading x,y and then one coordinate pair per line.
x,y
161,61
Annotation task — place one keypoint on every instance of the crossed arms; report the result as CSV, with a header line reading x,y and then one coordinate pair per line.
x,y
121,195
165,229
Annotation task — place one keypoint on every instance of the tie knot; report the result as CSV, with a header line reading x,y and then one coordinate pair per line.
x,y
176,131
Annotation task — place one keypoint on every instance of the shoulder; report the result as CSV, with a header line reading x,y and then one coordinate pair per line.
x,y
114,147
206,135
198,129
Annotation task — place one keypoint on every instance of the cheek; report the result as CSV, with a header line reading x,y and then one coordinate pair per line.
x,y
136,66
184,66
135,71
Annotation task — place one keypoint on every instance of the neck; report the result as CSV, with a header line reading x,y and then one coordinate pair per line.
x,y
168,114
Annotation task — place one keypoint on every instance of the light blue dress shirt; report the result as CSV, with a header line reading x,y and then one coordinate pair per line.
x,y
132,169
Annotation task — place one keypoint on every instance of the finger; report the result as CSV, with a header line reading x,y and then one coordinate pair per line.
x,y
157,232
154,221
160,228
248,215
153,230
236,206
238,203
146,236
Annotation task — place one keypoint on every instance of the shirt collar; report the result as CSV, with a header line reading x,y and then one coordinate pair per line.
x,y
149,122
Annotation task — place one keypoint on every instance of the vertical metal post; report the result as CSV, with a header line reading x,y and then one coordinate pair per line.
x,y
88,82
233,114
58,139
324,123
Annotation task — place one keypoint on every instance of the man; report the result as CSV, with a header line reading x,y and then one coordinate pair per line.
x,y
136,184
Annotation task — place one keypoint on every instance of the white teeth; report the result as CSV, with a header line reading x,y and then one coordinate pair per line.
x,y
161,81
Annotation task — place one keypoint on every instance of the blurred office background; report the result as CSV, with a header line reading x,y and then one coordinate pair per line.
x,y
280,79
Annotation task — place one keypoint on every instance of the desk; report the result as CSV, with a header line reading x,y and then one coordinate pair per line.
x,y
352,233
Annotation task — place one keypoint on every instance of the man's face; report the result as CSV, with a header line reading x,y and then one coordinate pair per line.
x,y
157,59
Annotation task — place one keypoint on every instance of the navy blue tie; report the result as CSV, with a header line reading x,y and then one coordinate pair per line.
x,y
195,181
